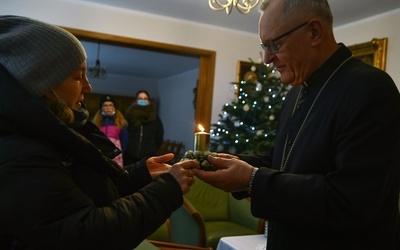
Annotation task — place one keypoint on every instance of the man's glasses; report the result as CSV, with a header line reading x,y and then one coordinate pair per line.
x,y
270,44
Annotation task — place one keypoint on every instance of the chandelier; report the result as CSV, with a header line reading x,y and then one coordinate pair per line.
x,y
97,71
243,6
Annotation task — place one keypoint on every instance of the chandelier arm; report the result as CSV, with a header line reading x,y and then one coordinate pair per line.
x,y
228,9
246,6
248,3
243,6
217,5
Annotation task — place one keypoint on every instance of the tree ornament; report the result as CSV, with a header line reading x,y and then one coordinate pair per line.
x,y
258,86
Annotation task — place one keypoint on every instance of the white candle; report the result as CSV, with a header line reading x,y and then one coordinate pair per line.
x,y
201,140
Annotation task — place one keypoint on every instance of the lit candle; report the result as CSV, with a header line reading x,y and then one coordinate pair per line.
x,y
201,140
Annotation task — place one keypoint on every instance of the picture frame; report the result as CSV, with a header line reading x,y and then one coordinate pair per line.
x,y
372,52
245,72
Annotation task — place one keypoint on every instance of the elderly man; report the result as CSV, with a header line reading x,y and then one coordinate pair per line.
x,y
332,180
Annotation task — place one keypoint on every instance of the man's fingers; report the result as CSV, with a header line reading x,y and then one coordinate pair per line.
x,y
219,162
227,156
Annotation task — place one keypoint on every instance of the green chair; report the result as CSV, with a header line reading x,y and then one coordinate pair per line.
x,y
162,233
208,214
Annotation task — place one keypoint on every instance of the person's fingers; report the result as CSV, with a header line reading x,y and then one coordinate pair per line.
x,y
227,156
187,190
191,181
209,176
219,161
183,173
185,185
188,164
163,158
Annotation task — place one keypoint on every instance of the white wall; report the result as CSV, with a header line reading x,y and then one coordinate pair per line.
x,y
177,111
230,45
114,84
380,26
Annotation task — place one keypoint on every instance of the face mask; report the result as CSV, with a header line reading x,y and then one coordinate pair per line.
x,y
143,102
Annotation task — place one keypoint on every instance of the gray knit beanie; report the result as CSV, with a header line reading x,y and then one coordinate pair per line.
x,y
39,55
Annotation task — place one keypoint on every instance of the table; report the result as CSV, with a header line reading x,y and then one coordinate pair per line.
x,y
247,242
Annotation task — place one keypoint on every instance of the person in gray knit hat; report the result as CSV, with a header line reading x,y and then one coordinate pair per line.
x,y
40,56
59,187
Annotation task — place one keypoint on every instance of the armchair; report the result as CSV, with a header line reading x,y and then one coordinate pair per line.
x,y
208,214
162,233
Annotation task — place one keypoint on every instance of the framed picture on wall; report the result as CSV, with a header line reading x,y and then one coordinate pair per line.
x,y
247,71
372,52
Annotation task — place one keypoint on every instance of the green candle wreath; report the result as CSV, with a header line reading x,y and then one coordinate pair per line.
x,y
201,157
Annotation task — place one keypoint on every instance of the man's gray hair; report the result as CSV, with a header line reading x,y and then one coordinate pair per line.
x,y
319,8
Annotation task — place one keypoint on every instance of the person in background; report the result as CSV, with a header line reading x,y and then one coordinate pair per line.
x,y
145,128
59,188
113,124
332,180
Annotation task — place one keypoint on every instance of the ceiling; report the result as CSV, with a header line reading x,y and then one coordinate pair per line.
x,y
139,63
119,60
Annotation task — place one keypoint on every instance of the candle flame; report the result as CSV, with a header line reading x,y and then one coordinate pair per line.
x,y
201,128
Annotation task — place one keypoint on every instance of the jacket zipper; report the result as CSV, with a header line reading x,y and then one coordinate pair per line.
x,y
140,141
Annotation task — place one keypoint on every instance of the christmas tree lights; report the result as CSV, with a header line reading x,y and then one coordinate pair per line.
x,y
248,124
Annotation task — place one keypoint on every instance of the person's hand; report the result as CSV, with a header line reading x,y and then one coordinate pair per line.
x,y
156,165
227,156
183,172
233,174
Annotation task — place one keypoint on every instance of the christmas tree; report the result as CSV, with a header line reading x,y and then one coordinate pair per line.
x,y
249,123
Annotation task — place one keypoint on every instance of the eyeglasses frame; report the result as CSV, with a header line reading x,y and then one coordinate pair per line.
x,y
270,44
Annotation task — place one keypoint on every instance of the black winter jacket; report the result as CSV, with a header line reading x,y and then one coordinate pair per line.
x,y
340,187
144,140
59,190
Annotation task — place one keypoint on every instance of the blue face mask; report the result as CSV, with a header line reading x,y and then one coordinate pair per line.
x,y
143,102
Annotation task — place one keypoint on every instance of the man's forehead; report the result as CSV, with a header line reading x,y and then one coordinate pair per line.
x,y
269,24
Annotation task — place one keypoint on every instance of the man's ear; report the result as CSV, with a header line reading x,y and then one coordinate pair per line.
x,y
316,31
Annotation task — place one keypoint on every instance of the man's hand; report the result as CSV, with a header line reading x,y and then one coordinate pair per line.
x,y
233,175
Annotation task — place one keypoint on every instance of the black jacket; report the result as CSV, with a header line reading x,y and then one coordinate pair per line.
x,y
59,190
340,187
145,139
